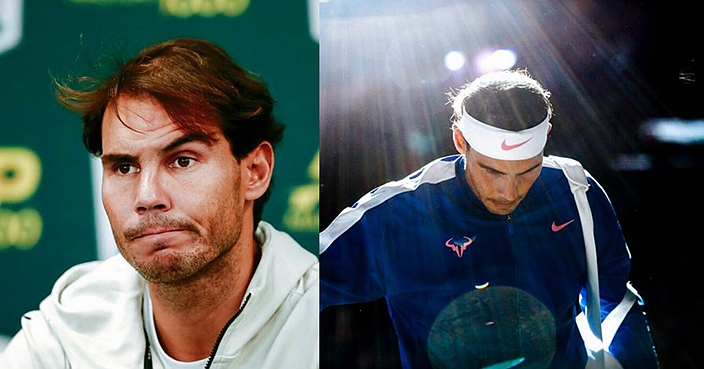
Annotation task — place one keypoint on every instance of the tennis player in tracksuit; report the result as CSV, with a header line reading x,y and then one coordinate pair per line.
x,y
481,255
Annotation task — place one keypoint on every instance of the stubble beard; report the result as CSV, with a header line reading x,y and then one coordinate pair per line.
x,y
179,265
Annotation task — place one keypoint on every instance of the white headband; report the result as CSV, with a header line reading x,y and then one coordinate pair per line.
x,y
502,144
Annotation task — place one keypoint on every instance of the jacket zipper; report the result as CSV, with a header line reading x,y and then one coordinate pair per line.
x,y
224,329
509,222
514,250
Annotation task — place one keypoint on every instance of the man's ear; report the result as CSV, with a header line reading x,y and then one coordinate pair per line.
x,y
257,168
458,139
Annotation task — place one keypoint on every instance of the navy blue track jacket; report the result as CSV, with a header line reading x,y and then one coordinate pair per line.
x,y
468,288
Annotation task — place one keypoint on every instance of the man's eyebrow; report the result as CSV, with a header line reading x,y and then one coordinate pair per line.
x,y
531,168
117,158
191,137
498,171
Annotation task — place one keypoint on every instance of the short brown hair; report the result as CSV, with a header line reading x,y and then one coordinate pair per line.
x,y
196,82
511,100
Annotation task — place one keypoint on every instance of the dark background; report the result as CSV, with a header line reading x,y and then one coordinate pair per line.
x,y
612,67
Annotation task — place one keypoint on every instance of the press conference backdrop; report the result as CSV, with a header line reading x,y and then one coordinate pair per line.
x,y
50,214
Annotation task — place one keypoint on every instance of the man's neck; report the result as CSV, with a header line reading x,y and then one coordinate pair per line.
x,y
190,315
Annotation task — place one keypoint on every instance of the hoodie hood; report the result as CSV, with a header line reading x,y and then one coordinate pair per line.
x,y
94,312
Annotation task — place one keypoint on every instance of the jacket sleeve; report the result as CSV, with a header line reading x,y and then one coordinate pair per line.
x,y
351,266
34,346
632,345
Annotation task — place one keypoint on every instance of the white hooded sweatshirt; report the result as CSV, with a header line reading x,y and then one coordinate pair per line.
x,y
93,317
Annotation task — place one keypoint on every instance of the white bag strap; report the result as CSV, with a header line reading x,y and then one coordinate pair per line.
x,y
605,332
578,185
611,323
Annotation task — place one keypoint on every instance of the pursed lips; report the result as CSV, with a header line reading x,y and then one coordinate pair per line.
x,y
504,204
155,231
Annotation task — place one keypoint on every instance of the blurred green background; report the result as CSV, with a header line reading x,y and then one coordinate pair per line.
x,y
49,219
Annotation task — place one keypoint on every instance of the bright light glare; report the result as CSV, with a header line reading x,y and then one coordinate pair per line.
x,y
454,60
501,59
673,130
504,59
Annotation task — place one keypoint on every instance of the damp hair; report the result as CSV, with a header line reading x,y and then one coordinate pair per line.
x,y
510,100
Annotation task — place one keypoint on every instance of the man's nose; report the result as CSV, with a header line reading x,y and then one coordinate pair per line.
x,y
508,188
151,193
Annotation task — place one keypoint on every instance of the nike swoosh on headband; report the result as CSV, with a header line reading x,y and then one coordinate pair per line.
x,y
507,147
503,144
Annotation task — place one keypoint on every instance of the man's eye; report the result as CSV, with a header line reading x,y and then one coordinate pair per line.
x,y
184,162
125,168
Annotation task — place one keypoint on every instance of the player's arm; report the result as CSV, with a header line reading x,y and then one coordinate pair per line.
x,y
632,345
351,265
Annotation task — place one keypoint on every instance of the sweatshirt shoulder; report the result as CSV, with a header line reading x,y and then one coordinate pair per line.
x,y
436,172
95,279
91,317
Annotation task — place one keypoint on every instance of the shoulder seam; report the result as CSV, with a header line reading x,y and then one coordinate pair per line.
x,y
437,171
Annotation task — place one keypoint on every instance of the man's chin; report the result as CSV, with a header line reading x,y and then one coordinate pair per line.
x,y
166,266
500,208
502,211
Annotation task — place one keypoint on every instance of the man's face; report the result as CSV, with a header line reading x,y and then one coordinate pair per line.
x,y
173,198
501,184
